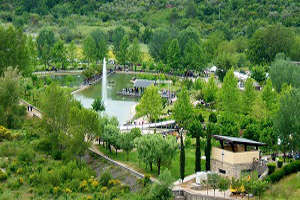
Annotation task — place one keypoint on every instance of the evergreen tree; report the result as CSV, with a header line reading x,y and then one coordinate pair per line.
x,y
230,94
211,129
182,157
122,54
248,97
45,42
135,55
173,54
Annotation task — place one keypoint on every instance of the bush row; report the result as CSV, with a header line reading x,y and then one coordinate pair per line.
x,y
288,169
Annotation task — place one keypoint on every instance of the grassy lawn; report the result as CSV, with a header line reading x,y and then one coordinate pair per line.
x,y
286,189
134,162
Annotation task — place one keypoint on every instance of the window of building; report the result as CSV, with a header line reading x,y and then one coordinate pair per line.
x,y
222,171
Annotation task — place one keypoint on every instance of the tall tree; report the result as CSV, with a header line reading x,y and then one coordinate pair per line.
x,y
45,43
155,148
196,131
158,44
230,94
117,36
182,157
13,50
210,130
12,114
267,42
248,97
150,104
269,98
100,40
135,54
88,48
210,90
287,121
282,71
71,53
173,55
122,54
194,57
183,109
59,54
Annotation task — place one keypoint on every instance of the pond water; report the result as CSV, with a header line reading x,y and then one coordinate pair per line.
x,y
116,105
65,80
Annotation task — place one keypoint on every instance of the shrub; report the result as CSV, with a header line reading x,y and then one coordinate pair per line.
x,y
279,163
271,167
105,178
5,134
3,175
288,169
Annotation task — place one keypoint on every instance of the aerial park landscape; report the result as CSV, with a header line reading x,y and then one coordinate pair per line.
x,y
149,100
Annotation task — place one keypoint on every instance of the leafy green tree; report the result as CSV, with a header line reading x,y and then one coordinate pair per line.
x,y
66,124
224,62
159,44
230,94
59,54
191,10
210,90
71,53
267,42
284,72
32,53
173,55
269,97
156,149
45,42
150,104
12,114
186,35
101,47
183,109
258,73
14,51
122,54
287,121
98,105
248,97
117,36
111,136
228,125
88,48
147,35
134,52
194,57
126,140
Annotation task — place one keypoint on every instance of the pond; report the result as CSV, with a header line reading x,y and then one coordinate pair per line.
x,y
118,106
65,80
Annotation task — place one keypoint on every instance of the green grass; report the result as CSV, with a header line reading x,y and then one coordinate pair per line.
x,y
134,162
286,189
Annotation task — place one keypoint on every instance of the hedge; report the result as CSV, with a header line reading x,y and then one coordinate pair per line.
x,y
271,167
288,169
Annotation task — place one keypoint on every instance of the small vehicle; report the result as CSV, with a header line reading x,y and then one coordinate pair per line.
x,y
297,156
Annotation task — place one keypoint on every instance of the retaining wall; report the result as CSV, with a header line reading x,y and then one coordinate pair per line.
x,y
185,195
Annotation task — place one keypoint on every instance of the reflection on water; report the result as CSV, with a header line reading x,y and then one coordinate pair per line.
x,y
116,105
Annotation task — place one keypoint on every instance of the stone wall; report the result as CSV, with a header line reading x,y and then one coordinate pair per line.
x,y
185,195
231,170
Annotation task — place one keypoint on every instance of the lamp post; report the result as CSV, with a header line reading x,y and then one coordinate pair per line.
x,y
222,157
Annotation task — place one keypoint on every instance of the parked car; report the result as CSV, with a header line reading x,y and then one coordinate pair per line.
x,y
297,156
